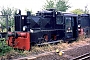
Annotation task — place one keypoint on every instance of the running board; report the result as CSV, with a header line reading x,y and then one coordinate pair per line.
x,y
46,43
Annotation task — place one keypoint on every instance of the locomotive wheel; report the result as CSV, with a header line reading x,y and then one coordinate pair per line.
x,y
45,38
53,37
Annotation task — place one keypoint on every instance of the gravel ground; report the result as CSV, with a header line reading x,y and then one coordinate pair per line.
x,y
52,57
78,51
69,54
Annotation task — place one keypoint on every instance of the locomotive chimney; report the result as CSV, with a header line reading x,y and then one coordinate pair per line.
x,y
18,12
28,13
28,20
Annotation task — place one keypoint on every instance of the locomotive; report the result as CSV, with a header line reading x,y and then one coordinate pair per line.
x,y
48,25
84,25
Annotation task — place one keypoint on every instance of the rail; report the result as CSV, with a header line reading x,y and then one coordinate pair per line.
x,y
82,57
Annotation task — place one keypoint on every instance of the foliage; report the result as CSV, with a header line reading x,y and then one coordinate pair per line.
x,y
3,21
60,5
3,47
49,4
10,12
78,11
86,10
5,50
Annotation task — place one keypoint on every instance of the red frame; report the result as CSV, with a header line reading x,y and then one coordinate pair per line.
x,y
22,42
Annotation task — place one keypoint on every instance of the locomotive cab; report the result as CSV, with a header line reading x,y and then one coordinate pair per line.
x,y
71,23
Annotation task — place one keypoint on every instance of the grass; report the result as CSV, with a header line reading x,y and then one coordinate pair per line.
x,y
49,47
3,47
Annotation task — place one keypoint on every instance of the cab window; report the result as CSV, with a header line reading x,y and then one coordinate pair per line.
x,y
59,20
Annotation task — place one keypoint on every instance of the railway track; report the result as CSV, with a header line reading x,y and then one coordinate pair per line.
x,y
85,56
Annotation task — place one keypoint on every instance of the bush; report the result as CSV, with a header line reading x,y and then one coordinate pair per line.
x,y
3,47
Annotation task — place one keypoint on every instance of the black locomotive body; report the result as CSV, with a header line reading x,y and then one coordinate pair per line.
x,y
46,26
84,24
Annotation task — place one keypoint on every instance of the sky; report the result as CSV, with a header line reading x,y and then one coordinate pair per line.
x,y
36,5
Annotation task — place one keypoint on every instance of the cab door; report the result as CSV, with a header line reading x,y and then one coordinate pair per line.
x,y
68,27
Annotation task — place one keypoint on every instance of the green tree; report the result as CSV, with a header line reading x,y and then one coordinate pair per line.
x,y
49,4
10,12
60,5
78,11
86,10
